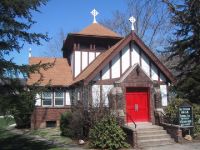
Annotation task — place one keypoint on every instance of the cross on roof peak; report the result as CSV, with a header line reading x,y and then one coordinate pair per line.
x,y
132,20
94,14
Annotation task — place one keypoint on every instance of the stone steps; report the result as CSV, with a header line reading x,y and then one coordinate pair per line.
x,y
155,142
151,127
153,132
149,135
156,136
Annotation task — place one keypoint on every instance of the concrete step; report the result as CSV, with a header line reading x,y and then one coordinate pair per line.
x,y
153,127
155,142
149,135
150,132
154,136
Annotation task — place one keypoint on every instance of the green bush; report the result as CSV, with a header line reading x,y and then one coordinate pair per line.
x,y
196,117
65,120
106,134
22,109
172,114
71,124
172,111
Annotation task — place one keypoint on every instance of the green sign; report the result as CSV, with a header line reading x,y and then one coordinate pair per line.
x,y
185,115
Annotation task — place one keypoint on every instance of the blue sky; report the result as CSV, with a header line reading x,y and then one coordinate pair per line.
x,y
68,15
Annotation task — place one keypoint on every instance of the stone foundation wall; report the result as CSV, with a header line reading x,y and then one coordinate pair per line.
x,y
131,136
174,131
41,115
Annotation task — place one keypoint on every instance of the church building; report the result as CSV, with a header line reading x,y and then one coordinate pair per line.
x,y
96,60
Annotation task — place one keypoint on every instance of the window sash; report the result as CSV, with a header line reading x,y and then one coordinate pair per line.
x,y
47,100
58,100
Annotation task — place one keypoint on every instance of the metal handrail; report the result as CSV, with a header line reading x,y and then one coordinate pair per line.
x,y
131,120
164,117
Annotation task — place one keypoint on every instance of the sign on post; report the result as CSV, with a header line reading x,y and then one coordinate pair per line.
x,y
185,115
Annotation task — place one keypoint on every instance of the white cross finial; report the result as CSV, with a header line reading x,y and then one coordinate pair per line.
x,y
94,14
132,20
29,53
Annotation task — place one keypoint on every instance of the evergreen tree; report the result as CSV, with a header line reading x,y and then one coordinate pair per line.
x,y
186,47
15,24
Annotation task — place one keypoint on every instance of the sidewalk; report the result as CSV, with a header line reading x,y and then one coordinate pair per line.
x,y
186,146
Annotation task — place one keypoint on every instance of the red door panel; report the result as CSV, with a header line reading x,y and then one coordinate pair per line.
x,y
137,106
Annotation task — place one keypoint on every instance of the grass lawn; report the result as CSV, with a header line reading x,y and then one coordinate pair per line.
x,y
52,134
6,122
12,141
31,140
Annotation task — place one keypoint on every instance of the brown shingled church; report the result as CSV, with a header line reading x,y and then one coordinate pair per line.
x,y
101,61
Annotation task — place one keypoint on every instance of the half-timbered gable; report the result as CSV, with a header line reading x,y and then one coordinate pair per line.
x,y
113,63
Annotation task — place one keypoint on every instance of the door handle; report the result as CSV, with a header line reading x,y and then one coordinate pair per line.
x,y
136,107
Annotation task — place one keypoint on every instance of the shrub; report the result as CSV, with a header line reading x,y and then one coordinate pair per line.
x,y
172,111
22,109
106,134
196,117
71,124
77,124
65,120
20,104
172,114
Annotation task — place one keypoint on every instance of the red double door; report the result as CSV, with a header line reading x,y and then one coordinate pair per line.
x,y
137,108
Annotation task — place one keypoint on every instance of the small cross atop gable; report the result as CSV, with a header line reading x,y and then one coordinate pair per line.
x,y
94,14
132,20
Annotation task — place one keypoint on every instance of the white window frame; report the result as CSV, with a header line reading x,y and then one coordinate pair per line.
x,y
68,101
78,96
43,98
59,97
164,96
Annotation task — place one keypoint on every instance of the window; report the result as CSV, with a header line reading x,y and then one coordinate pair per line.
x,y
59,99
50,124
163,90
78,96
47,99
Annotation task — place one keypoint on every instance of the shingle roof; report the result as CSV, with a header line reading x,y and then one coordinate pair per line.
x,y
58,75
98,30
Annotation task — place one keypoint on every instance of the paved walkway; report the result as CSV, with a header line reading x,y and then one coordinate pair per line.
x,y
186,146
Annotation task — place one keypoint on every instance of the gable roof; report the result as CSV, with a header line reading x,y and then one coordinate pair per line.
x,y
98,30
103,59
58,75
131,69
153,57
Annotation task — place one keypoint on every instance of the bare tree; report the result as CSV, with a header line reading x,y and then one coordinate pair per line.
x,y
55,45
152,22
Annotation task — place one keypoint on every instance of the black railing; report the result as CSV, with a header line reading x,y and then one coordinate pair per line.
x,y
166,119
127,115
